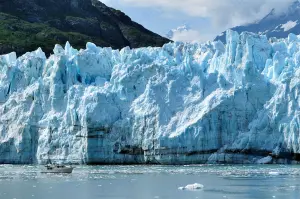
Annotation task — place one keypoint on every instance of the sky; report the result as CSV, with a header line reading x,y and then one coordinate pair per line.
x,y
206,18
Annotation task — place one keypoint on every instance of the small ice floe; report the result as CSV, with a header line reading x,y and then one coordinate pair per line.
x,y
265,160
192,187
274,173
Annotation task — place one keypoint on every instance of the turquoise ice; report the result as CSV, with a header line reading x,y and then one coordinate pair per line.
x,y
178,104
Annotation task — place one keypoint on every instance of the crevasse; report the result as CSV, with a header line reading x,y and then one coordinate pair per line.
x,y
178,104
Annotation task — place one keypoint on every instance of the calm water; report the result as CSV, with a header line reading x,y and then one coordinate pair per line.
x,y
151,182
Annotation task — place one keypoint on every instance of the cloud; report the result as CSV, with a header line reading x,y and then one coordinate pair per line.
x,y
112,3
107,2
185,33
224,13
187,36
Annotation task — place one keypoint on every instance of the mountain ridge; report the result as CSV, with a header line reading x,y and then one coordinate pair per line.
x,y
26,25
273,24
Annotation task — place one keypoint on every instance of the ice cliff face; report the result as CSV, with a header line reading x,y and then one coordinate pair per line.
x,y
182,103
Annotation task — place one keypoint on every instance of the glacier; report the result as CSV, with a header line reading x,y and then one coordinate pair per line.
x,y
177,104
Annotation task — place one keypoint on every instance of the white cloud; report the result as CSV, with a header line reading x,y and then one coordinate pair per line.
x,y
289,25
224,13
187,36
111,3
107,2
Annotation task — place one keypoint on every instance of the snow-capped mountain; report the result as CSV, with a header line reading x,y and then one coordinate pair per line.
x,y
178,104
273,25
178,30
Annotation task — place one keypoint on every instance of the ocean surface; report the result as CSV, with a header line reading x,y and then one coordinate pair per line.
x,y
151,182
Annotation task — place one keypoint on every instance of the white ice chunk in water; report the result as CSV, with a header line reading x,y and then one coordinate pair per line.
x,y
191,187
274,173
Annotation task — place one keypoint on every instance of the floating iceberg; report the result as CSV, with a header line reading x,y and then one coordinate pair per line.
x,y
178,104
192,187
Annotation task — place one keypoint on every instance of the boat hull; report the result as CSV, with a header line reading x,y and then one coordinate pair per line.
x,y
58,170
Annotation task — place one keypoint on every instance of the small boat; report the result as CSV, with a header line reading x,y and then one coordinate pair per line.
x,y
57,169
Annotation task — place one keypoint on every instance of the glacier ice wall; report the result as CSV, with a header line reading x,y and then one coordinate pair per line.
x,y
179,104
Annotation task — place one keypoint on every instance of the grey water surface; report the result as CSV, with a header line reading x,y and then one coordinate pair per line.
x,y
151,182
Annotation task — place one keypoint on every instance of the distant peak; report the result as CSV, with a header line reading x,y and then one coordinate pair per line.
x,y
278,23
182,28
